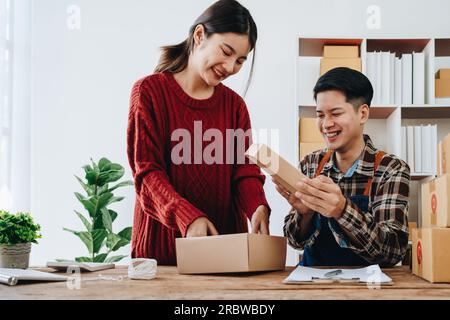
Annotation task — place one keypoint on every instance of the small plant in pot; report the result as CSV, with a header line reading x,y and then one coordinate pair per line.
x,y
98,223
17,232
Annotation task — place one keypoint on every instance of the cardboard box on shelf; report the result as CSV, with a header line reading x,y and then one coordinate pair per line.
x,y
443,74
243,252
310,147
272,163
430,254
411,226
341,51
443,155
435,202
442,88
327,64
308,130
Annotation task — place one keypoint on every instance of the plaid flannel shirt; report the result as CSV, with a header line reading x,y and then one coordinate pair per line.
x,y
381,233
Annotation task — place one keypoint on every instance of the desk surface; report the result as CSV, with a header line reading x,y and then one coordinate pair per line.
x,y
170,285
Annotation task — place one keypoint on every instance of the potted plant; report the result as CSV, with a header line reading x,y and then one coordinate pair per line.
x,y
17,232
98,223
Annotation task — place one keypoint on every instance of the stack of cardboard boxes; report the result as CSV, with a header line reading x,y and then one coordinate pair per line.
x,y
430,252
443,83
340,56
309,136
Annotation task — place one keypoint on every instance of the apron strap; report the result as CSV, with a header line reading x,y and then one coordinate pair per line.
x,y
378,156
322,162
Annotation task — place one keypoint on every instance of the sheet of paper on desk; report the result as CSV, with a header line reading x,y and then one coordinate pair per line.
x,y
370,274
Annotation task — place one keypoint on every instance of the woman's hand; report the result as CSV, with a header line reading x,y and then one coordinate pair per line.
x,y
201,227
260,220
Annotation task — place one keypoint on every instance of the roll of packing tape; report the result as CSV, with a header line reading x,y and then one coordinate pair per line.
x,y
142,269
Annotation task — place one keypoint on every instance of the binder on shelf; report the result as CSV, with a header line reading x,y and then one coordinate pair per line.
x,y
426,149
378,68
392,79
434,143
418,149
371,74
404,145
410,138
407,79
385,77
418,78
398,82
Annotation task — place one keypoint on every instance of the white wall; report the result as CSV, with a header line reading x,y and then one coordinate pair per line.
x,y
81,81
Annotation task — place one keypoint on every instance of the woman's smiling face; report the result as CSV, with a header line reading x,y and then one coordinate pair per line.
x,y
219,56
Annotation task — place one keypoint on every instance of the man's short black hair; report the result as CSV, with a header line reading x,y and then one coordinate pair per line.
x,y
353,84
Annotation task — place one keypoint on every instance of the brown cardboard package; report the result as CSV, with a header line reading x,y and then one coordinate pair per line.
x,y
310,147
308,130
435,202
411,226
443,155
243,252
341,51
327,64
281,170
443,74
442,88
430,254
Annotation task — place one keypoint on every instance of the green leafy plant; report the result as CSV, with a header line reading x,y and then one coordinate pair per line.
x,y
18,228
99,224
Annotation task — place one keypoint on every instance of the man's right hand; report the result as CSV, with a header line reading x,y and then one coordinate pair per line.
x,y
201,227
292,199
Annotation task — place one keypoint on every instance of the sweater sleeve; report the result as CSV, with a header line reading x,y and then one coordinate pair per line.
x,y
247,178
145,149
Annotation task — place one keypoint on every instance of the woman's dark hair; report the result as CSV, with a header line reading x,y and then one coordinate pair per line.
x,y
221,17
353,84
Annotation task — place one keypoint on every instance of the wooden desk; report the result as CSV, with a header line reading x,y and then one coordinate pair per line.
x,y
171,285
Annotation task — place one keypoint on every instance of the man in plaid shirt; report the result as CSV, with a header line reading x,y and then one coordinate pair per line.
x,y
352,207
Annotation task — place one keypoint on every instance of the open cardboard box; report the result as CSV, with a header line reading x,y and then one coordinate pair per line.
x,y
241,252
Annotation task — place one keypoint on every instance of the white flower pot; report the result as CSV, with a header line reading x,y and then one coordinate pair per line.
x,y
15,255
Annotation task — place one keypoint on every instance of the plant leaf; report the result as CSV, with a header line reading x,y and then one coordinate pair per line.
x,y
86,187
106,219
83,259
104,162
85,221
101,202
126,233
100,257
113,214
98,236
85,236
87,203
111,240
115,258
121,184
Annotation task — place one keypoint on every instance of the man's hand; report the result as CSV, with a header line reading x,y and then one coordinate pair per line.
x,y
322,195
201,227
260,220
293,200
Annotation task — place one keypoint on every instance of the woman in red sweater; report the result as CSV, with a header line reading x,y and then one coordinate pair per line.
x,y
188,183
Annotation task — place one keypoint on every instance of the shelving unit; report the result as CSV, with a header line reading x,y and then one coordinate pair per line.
x,y
384,126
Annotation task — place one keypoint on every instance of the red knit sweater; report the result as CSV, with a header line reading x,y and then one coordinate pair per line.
x,y
169,197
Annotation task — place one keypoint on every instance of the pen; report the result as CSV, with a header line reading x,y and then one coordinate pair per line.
x,y
333,273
